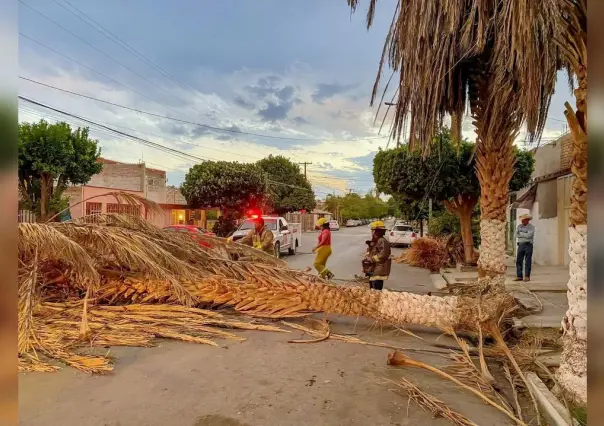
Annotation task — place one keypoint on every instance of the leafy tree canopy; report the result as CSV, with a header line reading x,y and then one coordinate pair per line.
x,y
353,206
448,171
51,157
233,187
287,198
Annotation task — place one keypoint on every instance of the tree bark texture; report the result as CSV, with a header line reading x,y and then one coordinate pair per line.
x,y
572,374
45,194
276,299
497,124
462,207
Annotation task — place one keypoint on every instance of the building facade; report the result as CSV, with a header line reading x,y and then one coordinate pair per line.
x,y
139,180
547,199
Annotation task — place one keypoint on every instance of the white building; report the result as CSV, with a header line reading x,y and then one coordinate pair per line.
x,y
547,199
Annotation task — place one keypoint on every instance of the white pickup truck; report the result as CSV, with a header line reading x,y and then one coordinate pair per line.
x,y
288,236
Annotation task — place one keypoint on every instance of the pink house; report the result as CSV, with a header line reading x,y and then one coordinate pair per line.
x,y
136,179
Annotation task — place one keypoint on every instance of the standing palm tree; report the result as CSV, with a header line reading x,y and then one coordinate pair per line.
x,y
500,58
572,374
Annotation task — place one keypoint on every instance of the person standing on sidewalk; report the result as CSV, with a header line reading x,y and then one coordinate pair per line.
x,y
379,255
525,235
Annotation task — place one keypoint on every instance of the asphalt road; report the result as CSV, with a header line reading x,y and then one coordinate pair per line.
x,y
264,380
348,246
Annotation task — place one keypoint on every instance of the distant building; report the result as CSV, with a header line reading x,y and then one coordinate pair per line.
x,y
547,199
308,219
140,180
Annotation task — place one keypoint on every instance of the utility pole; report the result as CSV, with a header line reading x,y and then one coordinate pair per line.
x,y
305,163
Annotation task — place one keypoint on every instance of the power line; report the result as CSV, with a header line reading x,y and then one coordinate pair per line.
x,y
108,34
38,114
143,141
219,129
173,139
108,56
95,71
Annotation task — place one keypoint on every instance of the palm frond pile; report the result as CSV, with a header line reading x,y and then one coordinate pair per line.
x,y
122,281
433,253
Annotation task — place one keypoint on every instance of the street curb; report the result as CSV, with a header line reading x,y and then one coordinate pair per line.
x,y
438,281
554,412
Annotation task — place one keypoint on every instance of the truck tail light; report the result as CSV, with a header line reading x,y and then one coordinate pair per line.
x,y
413,235
392,234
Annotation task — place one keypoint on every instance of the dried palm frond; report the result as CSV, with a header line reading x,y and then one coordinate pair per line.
x,y
432,404
433,253
58,336
27,295
400,359
437,47
132,250
151,208
51,245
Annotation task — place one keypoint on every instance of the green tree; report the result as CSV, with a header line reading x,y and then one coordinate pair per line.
x,y
233,187
296,194
447,174
353,206
51,157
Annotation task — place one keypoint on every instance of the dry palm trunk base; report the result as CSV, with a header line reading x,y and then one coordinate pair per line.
x,y
573,365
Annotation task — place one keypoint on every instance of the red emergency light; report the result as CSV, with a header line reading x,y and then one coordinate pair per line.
x,y
253,214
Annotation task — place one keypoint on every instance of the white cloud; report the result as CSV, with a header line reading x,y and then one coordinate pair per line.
x,y
341,126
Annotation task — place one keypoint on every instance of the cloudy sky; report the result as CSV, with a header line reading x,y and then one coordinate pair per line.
x,y
283,77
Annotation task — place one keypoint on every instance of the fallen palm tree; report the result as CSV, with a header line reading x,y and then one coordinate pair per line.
x,y
121,261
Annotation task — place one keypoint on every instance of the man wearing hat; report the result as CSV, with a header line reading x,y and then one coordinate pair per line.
x,y
525,234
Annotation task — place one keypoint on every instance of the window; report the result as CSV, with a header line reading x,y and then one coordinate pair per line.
x,y
402,228
92,212
94,208
129,209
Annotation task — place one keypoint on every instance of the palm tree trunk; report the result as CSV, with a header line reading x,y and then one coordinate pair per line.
x,y
494,167
279,300
462,207
497,123
572,374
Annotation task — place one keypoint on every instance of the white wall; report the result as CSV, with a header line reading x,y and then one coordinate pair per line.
x,y
545,249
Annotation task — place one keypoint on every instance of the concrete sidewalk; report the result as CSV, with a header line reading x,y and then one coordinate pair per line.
x,y
548,284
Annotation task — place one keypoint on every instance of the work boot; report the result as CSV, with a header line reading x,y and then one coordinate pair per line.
x,y
527,279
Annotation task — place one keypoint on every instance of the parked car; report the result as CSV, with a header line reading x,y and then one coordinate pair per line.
x,y
334,225
189,228
350,223
401,235
288,236
192,230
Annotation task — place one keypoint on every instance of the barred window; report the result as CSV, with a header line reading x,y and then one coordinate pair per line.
x,y
129,209
94,208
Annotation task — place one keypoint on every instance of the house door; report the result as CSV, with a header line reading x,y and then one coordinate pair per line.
x,y
564,190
